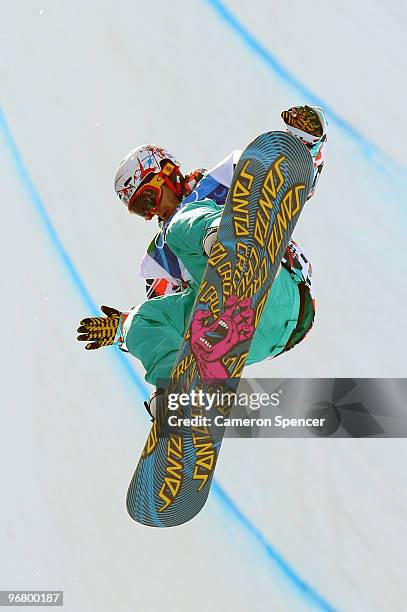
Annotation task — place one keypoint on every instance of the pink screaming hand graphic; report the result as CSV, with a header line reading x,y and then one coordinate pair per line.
x,y
210,343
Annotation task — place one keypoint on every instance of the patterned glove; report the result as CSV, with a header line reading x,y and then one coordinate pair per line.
x,y
192,179
102,331
309,119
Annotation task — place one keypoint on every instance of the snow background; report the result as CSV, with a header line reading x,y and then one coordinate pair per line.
x,y
80,85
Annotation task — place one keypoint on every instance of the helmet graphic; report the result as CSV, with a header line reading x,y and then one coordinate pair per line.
x,y
141,175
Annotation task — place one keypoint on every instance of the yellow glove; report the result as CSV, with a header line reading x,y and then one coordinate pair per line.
x,y
305,118
102,331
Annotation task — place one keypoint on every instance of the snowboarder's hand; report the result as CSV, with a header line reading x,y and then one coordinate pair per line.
x,y
102,331
303,118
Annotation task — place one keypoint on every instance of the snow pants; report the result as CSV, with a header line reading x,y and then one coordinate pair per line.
x,y
153,331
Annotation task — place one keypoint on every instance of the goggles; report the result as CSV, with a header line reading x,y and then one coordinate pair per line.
x,y
146,201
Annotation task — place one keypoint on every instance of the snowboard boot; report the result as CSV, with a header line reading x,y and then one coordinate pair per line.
x,y
152,404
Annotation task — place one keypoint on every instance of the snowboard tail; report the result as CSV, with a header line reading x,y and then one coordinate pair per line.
x,y
268,191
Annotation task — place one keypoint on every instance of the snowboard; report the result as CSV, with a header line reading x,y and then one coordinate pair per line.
x,y
268,190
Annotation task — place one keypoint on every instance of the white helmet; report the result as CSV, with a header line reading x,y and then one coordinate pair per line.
x,y
136,166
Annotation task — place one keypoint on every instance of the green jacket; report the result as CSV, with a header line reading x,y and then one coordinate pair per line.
x,y
153,331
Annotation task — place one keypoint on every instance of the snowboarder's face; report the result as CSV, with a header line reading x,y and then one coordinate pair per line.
x,y
168,203
150,203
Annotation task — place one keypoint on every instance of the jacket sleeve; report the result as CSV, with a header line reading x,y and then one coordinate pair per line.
x,y
154,330
186,233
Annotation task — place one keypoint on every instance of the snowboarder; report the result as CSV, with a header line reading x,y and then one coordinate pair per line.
x,y
189,207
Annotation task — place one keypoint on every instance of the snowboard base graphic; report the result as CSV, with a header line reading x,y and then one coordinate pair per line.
x,y
268,191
